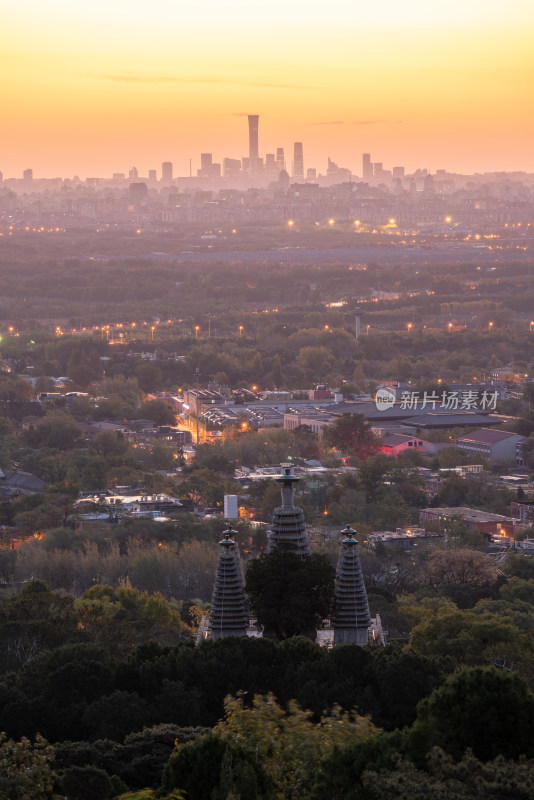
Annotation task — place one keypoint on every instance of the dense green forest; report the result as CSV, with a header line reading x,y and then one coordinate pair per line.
x,y
114,684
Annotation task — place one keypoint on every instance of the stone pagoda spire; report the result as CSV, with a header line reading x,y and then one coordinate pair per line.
x,y
351,619
288,528
228,614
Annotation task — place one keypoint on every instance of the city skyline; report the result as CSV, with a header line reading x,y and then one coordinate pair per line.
x,y
92,90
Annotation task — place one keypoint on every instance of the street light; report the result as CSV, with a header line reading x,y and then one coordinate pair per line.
x,y
197,328
531,324
409,326
368,330
490,325
450,326
240,331
153,328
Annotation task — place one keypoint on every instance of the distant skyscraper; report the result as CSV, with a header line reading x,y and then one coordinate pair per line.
x,y
271,167
133,174
152,175
428,184
398,172
27,175
367,167
231,167
280,158
253,151
298,160
283,180
166,172
206,160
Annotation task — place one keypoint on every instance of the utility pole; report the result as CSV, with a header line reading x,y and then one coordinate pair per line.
x,y
197,374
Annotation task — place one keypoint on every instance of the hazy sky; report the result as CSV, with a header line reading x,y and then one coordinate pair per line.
x,y
97,87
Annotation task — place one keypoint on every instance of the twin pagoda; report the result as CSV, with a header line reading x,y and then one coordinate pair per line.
x,y
351,621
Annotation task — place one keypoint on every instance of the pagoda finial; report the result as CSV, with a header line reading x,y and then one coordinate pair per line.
x,y
287,482
349,535
228,535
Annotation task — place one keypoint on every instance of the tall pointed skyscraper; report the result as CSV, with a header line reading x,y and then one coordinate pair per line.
x,y
288,527
351,620
228,613
298,160
253,123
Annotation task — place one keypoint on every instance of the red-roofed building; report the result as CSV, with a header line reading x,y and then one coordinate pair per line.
x,y
395,443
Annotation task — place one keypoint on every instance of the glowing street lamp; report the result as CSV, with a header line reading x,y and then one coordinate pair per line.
x,y
409,327
153,328
197,328
240,331
290,222
531,324
331,223
490,325
449,326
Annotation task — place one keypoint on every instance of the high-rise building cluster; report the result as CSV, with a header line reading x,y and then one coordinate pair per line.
x,y
255,170
273,165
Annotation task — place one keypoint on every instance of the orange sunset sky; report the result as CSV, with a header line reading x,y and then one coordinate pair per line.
x,y
92,88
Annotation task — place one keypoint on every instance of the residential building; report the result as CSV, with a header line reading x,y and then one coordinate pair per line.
x,y
523,510
497,446
483,521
